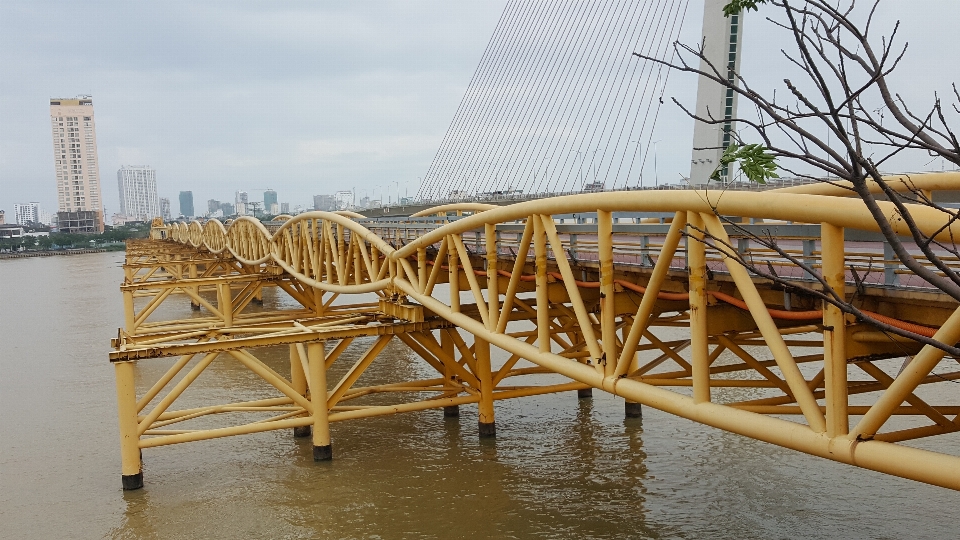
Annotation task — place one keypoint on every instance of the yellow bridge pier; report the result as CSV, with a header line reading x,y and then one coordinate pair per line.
x,y
633,302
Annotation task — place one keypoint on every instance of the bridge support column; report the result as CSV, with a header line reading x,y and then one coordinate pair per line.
x,y
446,343
834,330
699,346
130,464
298,379
632,410
488,426
322,448
192,273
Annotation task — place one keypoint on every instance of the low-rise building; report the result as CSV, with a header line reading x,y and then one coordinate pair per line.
x,y
86,221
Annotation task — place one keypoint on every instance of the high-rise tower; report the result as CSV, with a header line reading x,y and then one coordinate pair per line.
x,y
186,204
721,46
270,202
78,170
138,193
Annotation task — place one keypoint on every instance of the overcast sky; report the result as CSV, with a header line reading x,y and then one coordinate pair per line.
x,y
308,97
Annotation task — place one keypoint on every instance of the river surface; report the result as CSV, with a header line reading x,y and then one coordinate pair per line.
x,y
559,467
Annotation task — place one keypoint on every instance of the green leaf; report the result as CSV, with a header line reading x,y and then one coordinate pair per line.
x,y
737,6
754,161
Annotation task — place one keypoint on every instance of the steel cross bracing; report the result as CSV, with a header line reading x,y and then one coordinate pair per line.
x,y
626,299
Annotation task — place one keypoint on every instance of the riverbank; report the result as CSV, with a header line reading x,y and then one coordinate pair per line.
x,y
26,254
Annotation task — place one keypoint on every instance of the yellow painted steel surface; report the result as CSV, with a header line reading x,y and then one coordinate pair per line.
x,y
627,311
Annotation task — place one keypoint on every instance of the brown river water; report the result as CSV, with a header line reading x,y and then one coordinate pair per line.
x,y
559,467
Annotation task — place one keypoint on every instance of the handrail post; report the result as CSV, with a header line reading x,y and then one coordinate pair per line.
x,y
890,265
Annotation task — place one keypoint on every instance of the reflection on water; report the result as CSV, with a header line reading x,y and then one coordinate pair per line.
x,y
559,468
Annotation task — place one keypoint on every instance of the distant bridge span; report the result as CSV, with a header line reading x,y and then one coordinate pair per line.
x,y
642,297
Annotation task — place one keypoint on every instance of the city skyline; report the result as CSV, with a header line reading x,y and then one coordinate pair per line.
x,y
334,110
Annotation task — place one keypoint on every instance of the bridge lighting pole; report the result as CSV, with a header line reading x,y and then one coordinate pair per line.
x,y
656,175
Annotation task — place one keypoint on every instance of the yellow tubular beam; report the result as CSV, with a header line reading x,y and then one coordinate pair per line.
x,y
358,368
482,348
700,352
573,292
182,385
834,332
642,320
921,465
207,434
255,365
608,314
493,280
543,300
471,278
166,378
763,320
454,275
127,411
318,396
518,264
921,365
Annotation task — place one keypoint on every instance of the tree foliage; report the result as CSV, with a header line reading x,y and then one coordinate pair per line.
x,y
842,119
754,160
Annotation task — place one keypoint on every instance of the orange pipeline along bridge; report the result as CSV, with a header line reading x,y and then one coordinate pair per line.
x,y
640,294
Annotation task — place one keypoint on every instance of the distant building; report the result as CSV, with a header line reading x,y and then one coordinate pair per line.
x,y
165,209
241,203
186,204
212,205
11,231
344,200
87,221
326,203
27,213
3,218
284,208
138,193
227,209
269,198
75,157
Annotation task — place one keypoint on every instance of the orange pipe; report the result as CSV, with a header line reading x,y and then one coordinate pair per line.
x,y
921,330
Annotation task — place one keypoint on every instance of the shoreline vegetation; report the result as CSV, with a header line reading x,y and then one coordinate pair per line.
x,y
56,243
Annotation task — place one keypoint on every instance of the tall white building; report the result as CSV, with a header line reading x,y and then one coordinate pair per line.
x,y
722,37
75,157
138,193
165,208
27,213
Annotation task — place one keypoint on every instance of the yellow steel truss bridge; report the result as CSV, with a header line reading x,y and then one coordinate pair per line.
x,y
653,296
